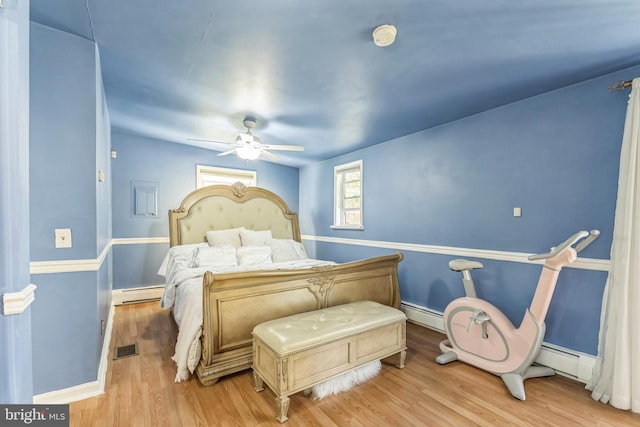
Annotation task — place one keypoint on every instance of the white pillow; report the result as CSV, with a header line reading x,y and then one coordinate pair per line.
x,y
254,255
254,238
178,254
283,250
229,236
215,256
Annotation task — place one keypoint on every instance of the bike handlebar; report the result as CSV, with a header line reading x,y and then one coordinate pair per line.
x,y
590,237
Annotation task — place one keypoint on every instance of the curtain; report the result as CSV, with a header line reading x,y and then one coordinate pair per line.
x,y
616,375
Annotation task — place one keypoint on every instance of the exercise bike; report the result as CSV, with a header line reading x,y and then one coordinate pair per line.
x,y
481,335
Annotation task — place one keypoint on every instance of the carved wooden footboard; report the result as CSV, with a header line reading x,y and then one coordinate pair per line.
x,y
235,303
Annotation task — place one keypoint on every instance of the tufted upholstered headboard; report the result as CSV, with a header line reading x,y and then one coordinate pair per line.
x,y
219,207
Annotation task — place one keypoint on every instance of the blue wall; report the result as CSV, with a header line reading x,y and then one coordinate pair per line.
x,y
64,331
173,167
70,142
16,385
63,152
556,156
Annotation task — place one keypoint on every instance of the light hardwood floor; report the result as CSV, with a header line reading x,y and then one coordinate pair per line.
x,y
140,391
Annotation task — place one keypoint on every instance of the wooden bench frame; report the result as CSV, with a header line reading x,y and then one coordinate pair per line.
x,y
292,372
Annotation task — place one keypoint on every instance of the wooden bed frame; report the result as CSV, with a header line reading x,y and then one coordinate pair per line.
x,y
233,304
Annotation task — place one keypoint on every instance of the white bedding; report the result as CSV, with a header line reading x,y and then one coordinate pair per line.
x,y
183,294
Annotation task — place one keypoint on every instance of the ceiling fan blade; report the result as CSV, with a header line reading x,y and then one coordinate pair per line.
x,y
210,140
283,147
269,154
233,150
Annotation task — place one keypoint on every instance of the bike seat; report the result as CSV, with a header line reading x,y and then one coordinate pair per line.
x,y
463,264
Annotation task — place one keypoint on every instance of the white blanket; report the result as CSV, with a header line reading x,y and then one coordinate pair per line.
x,y
183,293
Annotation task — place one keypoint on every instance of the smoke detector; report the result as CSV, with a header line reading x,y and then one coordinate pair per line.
x,y
384,35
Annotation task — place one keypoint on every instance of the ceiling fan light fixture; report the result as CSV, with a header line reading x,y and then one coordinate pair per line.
x,y
247,146
384,35
248,152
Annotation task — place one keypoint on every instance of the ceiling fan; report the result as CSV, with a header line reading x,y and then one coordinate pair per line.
x,y
249,147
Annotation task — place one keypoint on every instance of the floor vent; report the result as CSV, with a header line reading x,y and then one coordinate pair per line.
x,y
125,351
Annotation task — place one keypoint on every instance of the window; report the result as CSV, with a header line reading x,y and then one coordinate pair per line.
x,y
210,175
347,180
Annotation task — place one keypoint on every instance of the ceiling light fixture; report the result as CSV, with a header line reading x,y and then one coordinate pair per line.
x,y
249,147
384,35
248,152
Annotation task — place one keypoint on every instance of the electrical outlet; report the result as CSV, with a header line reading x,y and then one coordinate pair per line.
x,y
102,327
63,237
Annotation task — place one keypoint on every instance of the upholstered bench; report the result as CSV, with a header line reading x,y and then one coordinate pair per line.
x,y
294,353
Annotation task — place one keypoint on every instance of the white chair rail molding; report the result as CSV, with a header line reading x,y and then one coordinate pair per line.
x,y
18,302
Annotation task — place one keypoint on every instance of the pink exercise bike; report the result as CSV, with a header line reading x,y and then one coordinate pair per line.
x,y
481,335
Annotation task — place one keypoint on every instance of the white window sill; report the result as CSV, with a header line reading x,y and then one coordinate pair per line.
x,y
347,227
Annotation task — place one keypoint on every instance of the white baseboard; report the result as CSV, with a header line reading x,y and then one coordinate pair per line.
x,y
106,349
564,361
87,390
68,395
134,295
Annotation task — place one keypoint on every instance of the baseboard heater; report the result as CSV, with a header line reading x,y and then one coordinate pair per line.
x,y
137,295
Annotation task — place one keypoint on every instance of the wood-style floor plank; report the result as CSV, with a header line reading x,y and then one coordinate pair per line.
x,y
140,391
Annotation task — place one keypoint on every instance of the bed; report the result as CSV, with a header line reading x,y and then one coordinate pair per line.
x,y
216,306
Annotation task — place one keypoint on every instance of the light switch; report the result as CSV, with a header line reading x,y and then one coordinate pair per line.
x,y
63,237
517,211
